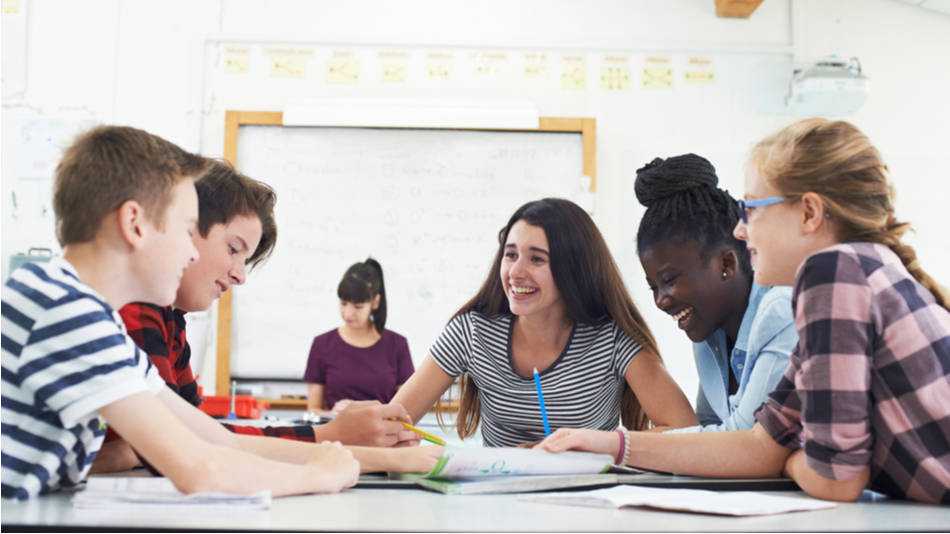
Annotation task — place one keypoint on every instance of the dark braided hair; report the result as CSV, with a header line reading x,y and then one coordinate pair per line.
x,y
683,203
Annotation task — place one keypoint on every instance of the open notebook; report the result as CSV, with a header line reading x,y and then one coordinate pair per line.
x,y
506,470
462,470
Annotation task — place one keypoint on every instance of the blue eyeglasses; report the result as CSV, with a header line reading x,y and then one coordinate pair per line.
x,y
744,205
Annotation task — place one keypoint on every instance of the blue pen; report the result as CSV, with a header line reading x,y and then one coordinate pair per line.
x,y
544,412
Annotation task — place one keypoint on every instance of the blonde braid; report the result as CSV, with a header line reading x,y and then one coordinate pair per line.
x,y
890,234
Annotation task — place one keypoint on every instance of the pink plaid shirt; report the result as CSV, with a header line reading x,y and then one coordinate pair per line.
x,y
869,382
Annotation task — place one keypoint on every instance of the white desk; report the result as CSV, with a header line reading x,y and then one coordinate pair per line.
x,y
418,510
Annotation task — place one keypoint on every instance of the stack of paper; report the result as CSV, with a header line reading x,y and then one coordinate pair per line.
x,y
108,492
735,503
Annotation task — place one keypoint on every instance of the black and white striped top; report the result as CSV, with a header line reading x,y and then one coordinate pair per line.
x,y
65,355
582,389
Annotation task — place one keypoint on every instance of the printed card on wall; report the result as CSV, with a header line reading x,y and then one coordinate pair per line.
x,y
535,65
342,68
573,72
12,7
489,64
657,72
699,70
236,59
394,65
394,72
236,64
287,67
615,73
439,66
288,62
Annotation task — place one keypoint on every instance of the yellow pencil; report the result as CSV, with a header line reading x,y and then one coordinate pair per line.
x,y
425,435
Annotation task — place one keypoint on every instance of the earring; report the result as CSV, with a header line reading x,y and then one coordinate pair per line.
x,y
724,275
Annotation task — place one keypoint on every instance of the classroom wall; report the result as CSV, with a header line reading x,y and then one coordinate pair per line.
x,y
152,65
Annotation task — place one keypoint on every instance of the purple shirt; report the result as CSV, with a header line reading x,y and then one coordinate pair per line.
x,y
348,372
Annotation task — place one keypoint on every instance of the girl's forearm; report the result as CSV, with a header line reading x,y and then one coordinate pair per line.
x,y
745,454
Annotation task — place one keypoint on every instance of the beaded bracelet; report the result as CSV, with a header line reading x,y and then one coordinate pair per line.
x,y
624,451
626,448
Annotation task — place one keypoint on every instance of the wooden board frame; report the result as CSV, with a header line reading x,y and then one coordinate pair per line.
x,y
233,120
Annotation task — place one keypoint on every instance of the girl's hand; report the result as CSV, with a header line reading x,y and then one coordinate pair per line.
x,y
581,439
416,459
334,467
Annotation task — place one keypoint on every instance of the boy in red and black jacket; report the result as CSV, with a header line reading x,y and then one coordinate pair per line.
x,y
236,231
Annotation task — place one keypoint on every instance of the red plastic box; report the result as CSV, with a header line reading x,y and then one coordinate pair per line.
x,y
246,406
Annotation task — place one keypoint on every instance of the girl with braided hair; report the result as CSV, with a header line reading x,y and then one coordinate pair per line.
x,y
360,360
864,401
699,274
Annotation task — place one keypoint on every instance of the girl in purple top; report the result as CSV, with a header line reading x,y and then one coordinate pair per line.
x,y
360,360
864,401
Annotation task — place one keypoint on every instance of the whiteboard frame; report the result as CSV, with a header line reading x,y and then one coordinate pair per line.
x,y
234,119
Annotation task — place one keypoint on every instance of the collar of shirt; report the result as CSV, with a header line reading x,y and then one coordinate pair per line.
x,y
713,360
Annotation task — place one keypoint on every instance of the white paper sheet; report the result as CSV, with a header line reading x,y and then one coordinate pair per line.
x,y
733,503
109,492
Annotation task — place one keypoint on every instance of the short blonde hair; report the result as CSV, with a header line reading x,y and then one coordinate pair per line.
x,y
109,165
836,161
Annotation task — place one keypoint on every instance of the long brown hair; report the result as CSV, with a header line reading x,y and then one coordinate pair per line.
x,y
586,277
834,160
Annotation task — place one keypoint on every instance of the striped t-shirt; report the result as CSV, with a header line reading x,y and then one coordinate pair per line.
x,y
582,388
65,354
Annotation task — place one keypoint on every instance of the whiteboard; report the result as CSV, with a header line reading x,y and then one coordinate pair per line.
x,y
428,204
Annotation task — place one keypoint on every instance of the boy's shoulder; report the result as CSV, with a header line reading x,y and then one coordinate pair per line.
x,y
50,296
137,315
47,285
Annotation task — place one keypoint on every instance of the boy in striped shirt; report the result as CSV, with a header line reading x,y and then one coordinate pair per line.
x,y
126,210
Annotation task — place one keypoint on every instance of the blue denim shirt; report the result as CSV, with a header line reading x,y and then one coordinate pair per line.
x,y
766,337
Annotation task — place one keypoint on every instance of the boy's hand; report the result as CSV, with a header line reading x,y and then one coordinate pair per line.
x,y
369,423
335,468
